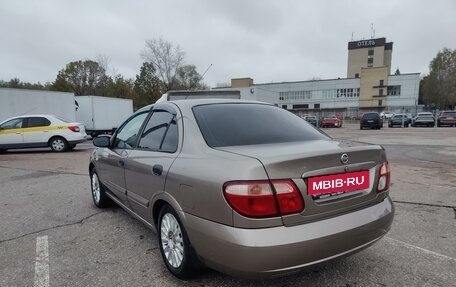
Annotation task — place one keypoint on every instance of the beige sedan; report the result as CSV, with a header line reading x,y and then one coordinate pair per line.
x,y
242,187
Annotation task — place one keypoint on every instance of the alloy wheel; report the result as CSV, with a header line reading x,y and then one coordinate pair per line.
x,y
172,240
95,188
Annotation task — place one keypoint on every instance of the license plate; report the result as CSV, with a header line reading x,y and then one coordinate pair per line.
x,y
343,182
370,121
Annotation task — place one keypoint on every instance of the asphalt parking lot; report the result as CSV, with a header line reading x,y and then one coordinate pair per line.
x,y
50,226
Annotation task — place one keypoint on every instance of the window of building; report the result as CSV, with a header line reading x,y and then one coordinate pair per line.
x,y
393,90
370,65
303,106
380,102
284,107
370,60
357,75
370,52
316,106
380,92
381,82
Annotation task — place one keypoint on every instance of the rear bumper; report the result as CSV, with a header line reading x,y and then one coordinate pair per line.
x,y
331,124
370,125
77,141
444,122
424,123
269,252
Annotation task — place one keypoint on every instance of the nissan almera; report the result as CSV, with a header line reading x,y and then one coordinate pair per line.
x,y
245,188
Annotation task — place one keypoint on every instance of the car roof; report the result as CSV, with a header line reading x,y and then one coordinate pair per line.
x,y
198,102
190,103
28,116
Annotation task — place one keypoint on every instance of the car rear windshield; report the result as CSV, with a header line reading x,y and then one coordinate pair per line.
x,y
371,116
251,124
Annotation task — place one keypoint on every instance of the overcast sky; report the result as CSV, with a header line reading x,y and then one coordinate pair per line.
x,y
265,40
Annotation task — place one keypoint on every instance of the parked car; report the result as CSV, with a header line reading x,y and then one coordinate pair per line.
x,y
38,131
356,117
386,115
371,120
429,114
427,121
447,118
331,121
399,120
242,187
312,120
426,114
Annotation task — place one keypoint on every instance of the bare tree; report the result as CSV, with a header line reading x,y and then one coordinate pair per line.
x,y
105,62
166,58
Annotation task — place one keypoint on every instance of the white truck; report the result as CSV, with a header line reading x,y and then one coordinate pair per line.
x,y
102,114
18,102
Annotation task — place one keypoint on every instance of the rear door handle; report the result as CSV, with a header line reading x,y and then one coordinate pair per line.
x,y
121,162
157,169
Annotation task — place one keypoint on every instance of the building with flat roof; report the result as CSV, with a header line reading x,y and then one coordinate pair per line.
x,y
369,86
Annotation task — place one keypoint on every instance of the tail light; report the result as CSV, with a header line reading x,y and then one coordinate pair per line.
x,y
384,177
263,198
74,128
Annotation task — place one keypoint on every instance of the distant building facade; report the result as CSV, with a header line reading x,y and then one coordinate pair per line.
x,y
369,86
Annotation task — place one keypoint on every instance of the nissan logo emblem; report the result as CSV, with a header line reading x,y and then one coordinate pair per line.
x,y
344,158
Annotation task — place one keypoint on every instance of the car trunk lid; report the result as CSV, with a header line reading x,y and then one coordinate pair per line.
x,y
309,160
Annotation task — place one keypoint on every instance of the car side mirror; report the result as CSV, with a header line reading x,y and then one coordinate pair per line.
x,y
102,141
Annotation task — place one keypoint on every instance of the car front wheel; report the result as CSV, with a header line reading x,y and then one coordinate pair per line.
x,y
100,199
58,144
174,244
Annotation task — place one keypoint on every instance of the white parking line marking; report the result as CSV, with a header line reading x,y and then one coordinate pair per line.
x,y
42,262
410,246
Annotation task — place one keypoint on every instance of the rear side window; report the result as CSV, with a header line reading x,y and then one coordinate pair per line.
x,y
38,122
160,133
251,124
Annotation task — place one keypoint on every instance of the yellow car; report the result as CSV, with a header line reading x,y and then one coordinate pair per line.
x,y
38,131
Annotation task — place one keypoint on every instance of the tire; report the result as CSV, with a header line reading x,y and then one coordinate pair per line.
x,y
174,243
58,144
99,197
2,151
360,128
